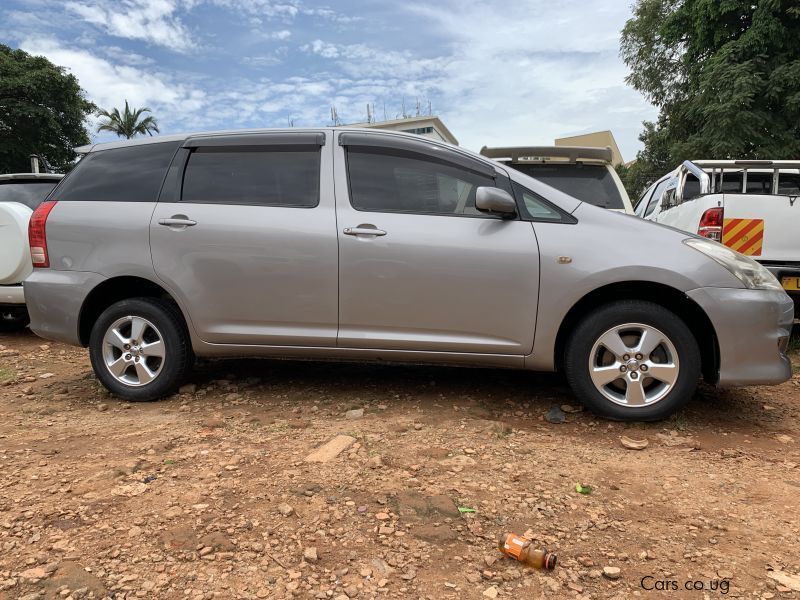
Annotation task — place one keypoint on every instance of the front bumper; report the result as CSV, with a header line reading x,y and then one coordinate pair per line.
x,y
12,294
753,328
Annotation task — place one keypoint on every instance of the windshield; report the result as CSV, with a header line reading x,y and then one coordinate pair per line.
x,y
590,183
29,193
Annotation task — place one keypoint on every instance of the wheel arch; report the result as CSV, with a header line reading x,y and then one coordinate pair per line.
x,y
113,290
663,295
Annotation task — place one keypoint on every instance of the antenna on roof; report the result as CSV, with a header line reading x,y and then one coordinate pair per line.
x,y
369,114
335,116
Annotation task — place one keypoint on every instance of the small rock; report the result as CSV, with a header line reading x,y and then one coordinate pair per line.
x,y
354,414
46,375
612,572
102,407
188,388
375,462
285,509
382,516
310,554
724,574
568,408
555,415
490,592
784,439
785,579
632,444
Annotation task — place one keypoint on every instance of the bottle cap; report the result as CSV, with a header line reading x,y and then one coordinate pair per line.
x,y
550,561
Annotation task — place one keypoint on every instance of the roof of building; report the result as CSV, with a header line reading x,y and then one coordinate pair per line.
x,y
599,139
411,121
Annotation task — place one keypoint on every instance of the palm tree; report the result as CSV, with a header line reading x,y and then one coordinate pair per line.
x,y
127,124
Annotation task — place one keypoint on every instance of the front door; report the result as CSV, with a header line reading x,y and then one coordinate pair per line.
x,y
420,268
244,235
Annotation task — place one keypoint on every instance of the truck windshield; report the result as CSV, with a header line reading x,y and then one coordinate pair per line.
x,y
590,183
29,193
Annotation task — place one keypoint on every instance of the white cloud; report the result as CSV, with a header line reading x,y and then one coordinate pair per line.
x,y
153,21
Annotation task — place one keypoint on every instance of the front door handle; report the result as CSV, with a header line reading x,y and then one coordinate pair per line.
x,y
177,221
364,230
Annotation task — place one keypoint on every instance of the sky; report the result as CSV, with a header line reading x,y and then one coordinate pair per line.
x,y
497,73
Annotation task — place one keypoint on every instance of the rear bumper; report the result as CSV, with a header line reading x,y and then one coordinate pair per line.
x,y
753,328
12,294
55,299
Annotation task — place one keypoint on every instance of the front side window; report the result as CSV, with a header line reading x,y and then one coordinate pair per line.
x,y
537,208
128,174
409,183
656,199
255,176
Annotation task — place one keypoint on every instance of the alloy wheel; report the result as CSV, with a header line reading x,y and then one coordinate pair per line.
x,y
133,351
634,365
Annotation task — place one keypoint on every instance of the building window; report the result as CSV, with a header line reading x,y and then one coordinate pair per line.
x,y
419,130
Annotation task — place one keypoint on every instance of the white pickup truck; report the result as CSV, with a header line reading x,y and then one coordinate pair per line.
x,y
20,194
751,206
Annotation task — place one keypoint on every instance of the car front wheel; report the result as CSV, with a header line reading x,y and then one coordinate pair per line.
x,y
632,361
140,349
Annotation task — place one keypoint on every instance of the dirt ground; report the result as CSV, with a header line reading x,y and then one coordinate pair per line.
x,y
208,494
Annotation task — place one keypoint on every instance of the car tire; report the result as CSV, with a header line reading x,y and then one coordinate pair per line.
x,y
632,360
13,319
140,349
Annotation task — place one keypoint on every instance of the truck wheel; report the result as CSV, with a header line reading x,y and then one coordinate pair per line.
x,y
13,319
140,349
632,361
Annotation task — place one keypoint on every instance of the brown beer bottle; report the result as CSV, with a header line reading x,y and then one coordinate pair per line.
x,y
521,548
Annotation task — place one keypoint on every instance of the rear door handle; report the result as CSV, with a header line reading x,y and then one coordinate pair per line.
x,y
362,230
177,221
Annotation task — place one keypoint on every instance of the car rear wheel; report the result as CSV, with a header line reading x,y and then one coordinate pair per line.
x,y
632,361
140,349
13,319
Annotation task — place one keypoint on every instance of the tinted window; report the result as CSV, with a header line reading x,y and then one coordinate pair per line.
x,y
29,193
641,203
129,174
691,187
789,184
409,183
257,175
759,183
589,183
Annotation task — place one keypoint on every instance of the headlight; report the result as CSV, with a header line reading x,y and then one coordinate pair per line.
x,y
752,274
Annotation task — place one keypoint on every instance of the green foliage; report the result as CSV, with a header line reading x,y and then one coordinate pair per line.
x,y
127,124
725,75
42,111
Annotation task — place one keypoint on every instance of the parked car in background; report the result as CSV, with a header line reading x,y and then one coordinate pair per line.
x,y
370,245
750,206
20,195
584,173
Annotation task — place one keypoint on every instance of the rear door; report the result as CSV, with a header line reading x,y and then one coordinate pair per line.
x,y
245,234
420,268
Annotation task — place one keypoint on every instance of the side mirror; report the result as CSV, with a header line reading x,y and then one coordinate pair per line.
x,y
495,201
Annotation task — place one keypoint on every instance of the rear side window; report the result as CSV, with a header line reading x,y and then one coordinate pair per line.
x,y
389,181
789,184
29,193
589,183
128,174
253,175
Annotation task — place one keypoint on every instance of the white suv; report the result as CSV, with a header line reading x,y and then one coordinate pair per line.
x,y
582,172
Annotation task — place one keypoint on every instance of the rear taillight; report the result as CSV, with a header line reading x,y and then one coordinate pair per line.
x,y
711,224
37,236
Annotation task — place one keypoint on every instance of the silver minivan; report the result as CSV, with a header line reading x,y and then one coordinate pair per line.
x,y
371,245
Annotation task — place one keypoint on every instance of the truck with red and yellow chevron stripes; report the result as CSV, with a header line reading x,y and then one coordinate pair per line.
x,y
751,206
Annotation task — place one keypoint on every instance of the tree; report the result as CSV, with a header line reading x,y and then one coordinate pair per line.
x,y
127,124
725,75
42,111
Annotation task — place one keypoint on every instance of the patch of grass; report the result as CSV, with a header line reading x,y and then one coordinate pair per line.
x,y
794,345
7,374
679,421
